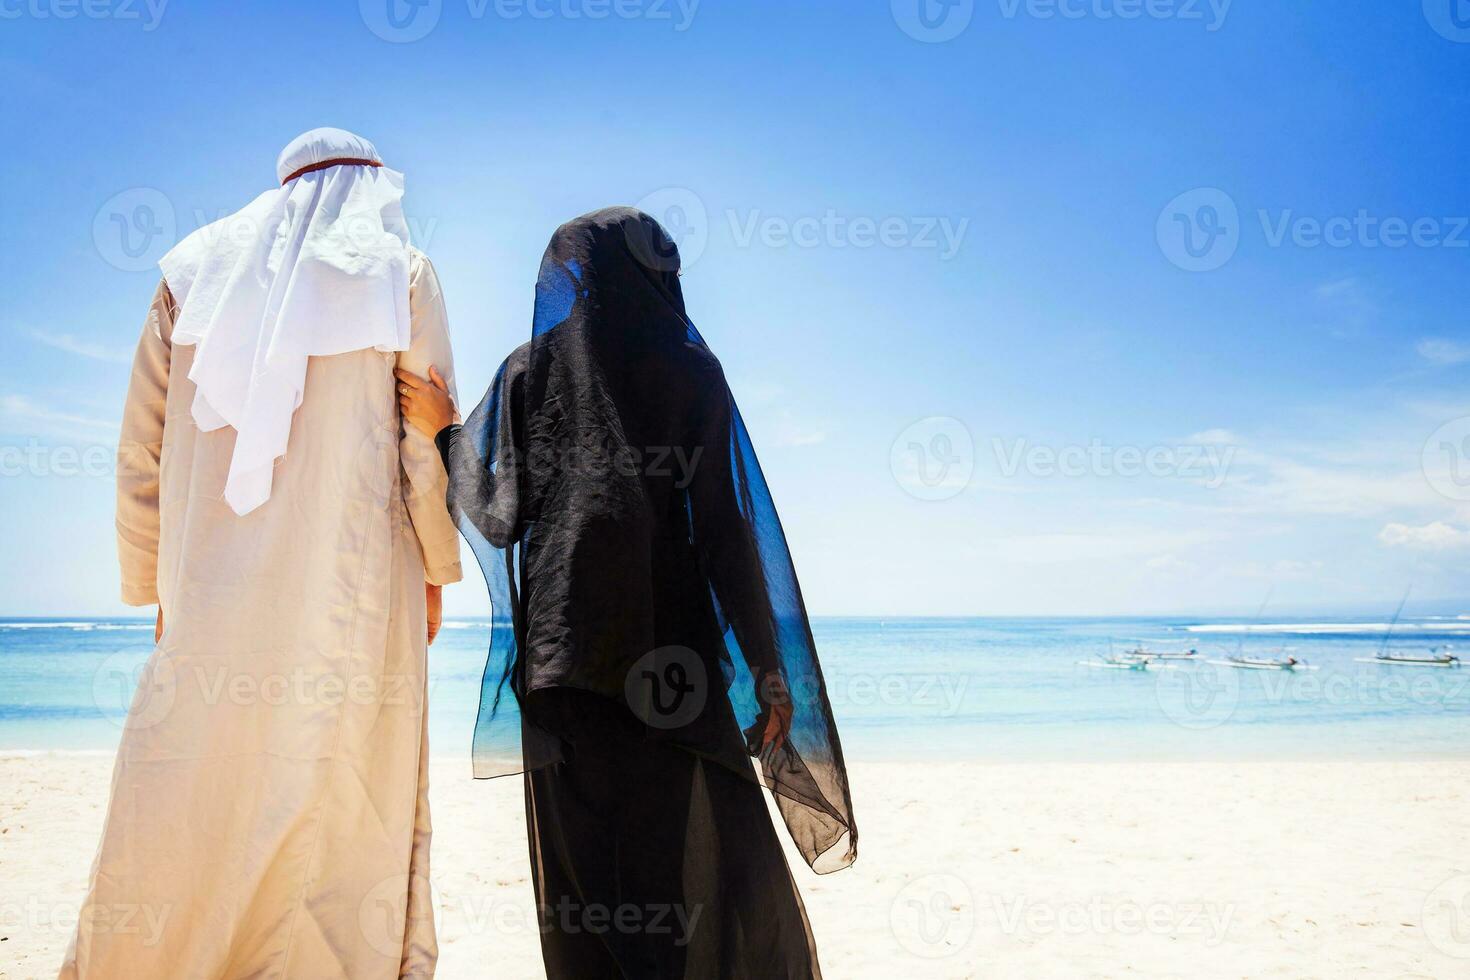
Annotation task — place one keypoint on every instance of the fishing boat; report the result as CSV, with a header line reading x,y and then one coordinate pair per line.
x,y
1124,663
1264,663
1437,657
1139,653
1243,662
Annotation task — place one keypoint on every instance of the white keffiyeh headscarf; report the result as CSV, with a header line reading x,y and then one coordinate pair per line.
x,y
315,267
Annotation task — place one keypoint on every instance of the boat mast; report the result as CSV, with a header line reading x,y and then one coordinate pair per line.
x,y
1383,649
1240,640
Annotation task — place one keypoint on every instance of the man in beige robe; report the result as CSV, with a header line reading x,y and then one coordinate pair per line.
x,y
269,813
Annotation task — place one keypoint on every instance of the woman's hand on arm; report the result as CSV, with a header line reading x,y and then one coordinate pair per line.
x,y
425,403
773,726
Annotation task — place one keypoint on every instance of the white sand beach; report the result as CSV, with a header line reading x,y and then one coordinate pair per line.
x,y
1342,869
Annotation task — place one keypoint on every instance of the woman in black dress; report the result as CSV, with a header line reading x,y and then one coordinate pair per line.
x,y
648,622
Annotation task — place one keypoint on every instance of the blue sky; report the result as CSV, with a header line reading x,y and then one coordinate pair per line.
x,y
952,269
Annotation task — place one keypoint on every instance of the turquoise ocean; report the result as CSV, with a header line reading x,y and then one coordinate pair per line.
x,y
992,689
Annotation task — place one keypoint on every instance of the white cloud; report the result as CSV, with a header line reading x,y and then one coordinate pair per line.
x,y
82,348
1438,350
1067,546
1345,308
794,431
1214,437
1295,568
1169,563
1280,570
1435,536
1282,485
37,418
1337,287
754,392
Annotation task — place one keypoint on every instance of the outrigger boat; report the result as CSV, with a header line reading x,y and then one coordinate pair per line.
x,y
1438,657
1139,653
1125,662
1243,662
1135,659
1264,663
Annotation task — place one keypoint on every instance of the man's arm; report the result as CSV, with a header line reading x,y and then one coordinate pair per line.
x,y
140,445
424,490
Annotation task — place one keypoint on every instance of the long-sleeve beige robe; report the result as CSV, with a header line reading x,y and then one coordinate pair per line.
x,y
269,813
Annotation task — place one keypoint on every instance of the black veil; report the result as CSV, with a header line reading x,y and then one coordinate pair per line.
x,y
638,573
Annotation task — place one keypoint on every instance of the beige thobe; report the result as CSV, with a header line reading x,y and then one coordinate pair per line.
x,y
269,813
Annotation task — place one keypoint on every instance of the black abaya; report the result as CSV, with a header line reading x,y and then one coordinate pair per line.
x,y
648,623
652,862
